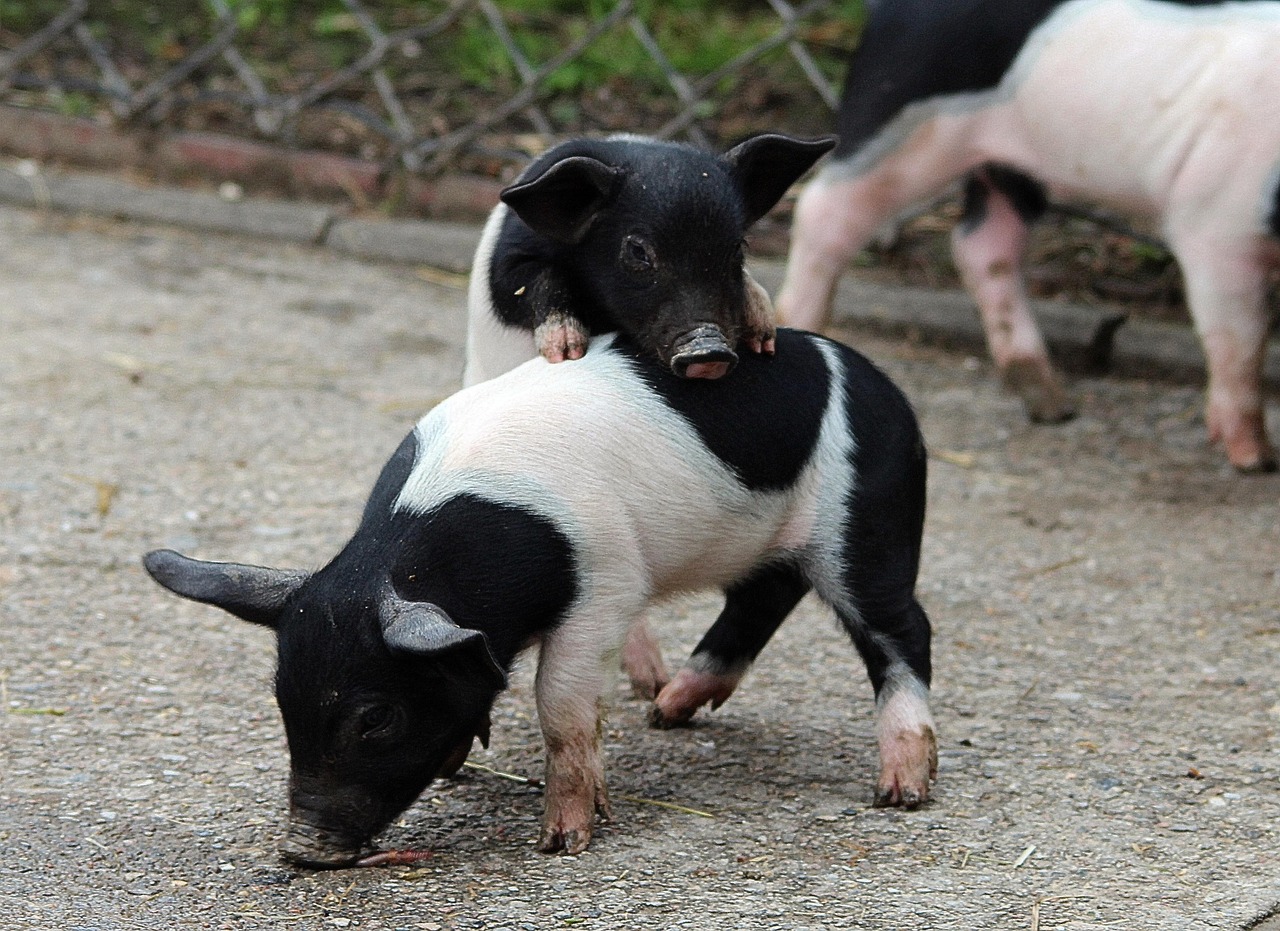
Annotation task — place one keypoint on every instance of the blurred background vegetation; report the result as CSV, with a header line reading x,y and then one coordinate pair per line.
x,y
442,81
615,83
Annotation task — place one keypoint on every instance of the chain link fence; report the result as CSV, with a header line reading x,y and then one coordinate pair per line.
x,y
428,86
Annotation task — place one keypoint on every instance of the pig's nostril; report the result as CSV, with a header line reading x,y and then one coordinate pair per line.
x,y
309,846
708,370
703,353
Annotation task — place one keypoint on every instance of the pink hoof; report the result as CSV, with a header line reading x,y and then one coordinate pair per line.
x,y
560,338
686,693
643,664
1244,437
908,764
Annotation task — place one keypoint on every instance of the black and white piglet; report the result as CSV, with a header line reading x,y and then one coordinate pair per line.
x,y
635,235
550,506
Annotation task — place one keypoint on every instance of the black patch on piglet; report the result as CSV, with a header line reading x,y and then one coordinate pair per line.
x,y
457,557
882,550
1275,213
914,50
377,510
754,609
748,419
1025,194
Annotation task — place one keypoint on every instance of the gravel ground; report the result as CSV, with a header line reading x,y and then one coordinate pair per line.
x,y
1105,598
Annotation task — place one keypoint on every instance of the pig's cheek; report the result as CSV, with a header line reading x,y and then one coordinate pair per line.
x,y
453,762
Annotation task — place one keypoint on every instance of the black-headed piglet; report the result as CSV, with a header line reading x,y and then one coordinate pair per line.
x,y
634,235
551,506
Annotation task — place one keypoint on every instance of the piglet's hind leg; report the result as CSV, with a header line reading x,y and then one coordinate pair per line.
x,y
988,245
894,644
1226,296
908,746
753,611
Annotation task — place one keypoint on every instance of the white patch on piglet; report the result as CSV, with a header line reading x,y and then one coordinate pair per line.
x,y
650,509
492,347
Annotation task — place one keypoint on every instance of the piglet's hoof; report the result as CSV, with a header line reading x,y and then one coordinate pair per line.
x,y
560,338
1244,436
703,353
1044,399
1258,467
642,662
568,822
760,335
908,763
686,693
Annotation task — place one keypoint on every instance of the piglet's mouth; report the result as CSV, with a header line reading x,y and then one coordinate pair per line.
x,y
703,352
309,845
299,851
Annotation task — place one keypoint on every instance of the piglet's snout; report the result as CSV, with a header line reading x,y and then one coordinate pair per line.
x,y
703,352
308,844
327,827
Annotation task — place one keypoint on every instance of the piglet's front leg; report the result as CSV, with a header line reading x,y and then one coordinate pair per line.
x,y
557,332
570,685
760,325
561,337
576,793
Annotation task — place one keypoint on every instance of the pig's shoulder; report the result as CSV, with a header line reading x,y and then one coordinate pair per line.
x,y
390,480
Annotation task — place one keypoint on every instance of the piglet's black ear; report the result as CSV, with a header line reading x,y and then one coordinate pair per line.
x,y
563,201
424,630
254,593
764,166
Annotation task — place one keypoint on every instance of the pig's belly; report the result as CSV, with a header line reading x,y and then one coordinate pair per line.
x,y
712,544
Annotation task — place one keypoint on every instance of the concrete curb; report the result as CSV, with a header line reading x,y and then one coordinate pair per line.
x,y
215,157
439,243
192,209
1082,338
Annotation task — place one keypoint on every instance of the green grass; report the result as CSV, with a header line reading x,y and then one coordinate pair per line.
x,y
697,35
293,43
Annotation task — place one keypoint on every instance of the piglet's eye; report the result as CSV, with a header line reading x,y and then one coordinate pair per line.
x,y
638,255
377,721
